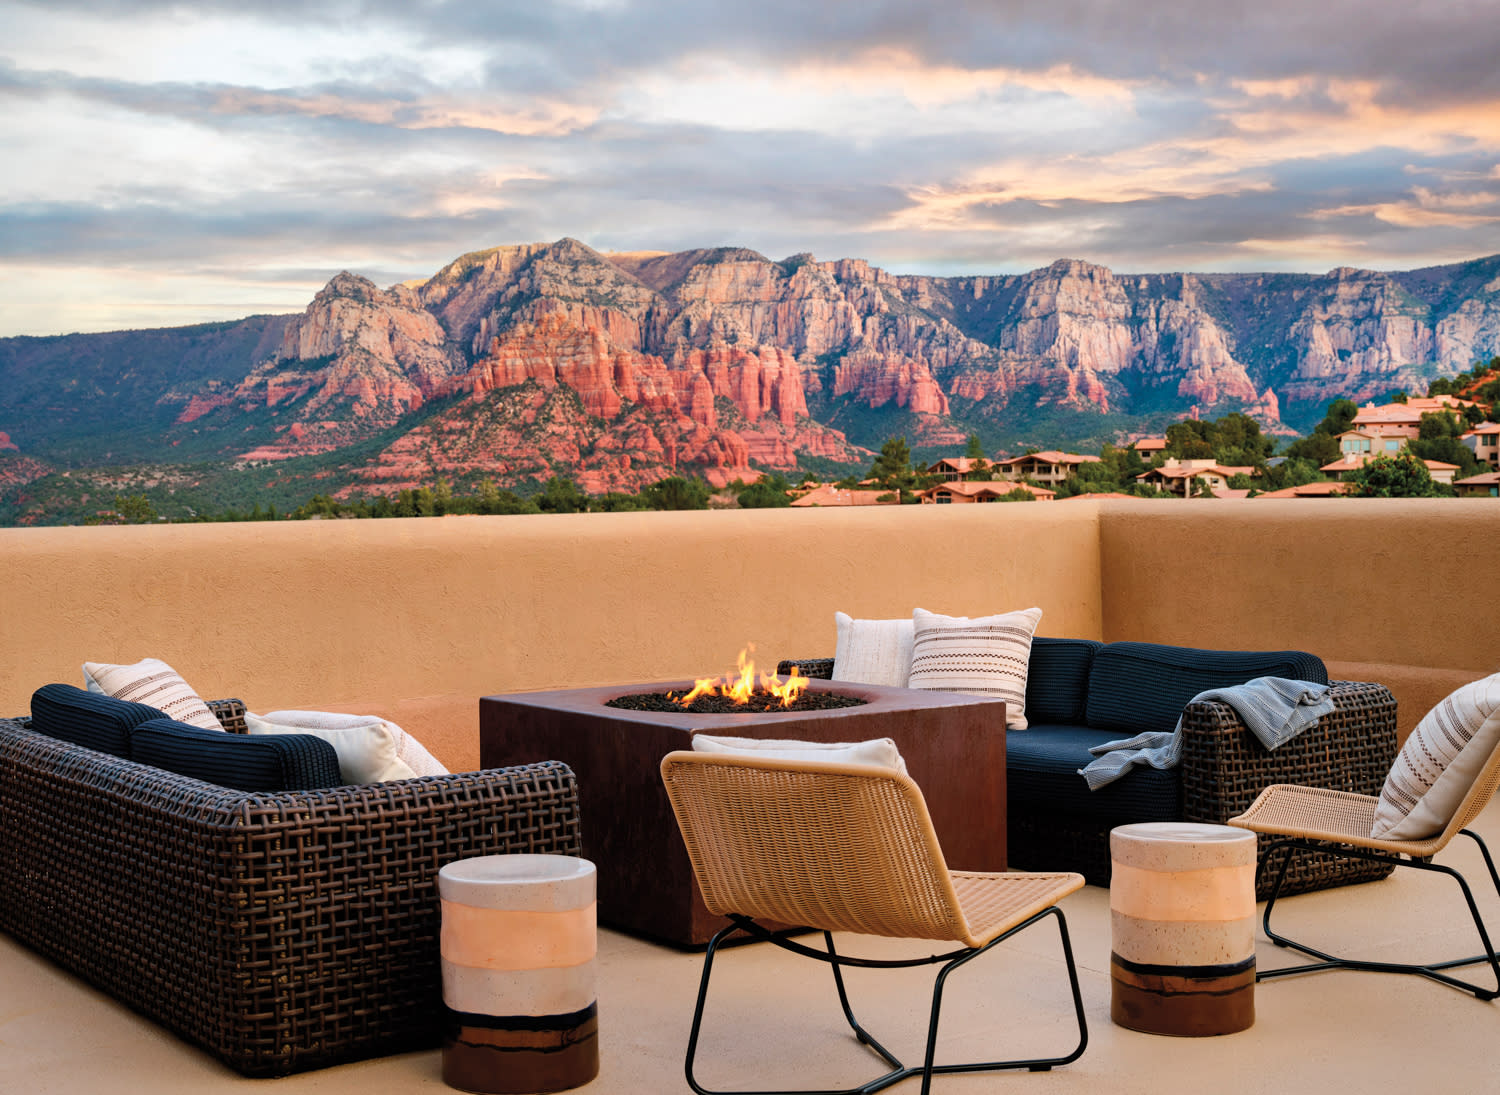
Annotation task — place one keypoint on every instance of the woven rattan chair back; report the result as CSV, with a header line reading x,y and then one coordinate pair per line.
x,y
833,846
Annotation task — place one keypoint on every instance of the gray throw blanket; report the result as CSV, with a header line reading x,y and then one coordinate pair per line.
x,y
1274,708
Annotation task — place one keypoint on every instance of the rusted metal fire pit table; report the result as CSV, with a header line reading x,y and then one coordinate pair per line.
x,y
953,745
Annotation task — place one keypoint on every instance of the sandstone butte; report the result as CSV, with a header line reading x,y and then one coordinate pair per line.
x,y
543,359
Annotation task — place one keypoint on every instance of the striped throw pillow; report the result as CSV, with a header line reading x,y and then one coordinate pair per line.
x,y
1439,763
154,683
985,656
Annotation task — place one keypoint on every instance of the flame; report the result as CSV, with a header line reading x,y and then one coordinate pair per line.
x,y
743,686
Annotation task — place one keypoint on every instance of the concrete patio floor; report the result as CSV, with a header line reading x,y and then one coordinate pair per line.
x,y
774,1021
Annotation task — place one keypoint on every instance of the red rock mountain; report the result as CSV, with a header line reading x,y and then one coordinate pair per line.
x,y
521,362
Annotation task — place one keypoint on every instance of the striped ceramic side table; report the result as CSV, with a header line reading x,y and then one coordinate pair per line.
x,y
1182,908
518,946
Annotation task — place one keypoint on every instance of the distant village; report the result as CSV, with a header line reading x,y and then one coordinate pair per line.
x,y
1375,431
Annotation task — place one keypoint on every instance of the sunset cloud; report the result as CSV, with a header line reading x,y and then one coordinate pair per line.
x,y
206,160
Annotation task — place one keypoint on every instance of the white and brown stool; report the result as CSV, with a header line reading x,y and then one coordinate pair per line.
x,y
518,943
1182,908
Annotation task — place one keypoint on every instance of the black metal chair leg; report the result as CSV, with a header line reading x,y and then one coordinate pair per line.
x,y
898,1071
1044,1064
1431,970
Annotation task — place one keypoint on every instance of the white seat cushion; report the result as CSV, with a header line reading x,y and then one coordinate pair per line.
x,y
408,750
880,752
1439,762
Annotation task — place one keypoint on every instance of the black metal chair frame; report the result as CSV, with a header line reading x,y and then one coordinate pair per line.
x,y
952,960
1431,969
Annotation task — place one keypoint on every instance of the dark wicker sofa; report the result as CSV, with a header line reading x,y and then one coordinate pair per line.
x,y
279,931
1081,693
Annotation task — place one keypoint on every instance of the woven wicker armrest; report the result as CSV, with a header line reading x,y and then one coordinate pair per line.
x,y
813,668
1224,765
278,931
230,713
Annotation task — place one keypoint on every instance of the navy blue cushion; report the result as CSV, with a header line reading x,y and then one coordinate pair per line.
x,y
1144,686
1057,679
246,762
1041,772
87,718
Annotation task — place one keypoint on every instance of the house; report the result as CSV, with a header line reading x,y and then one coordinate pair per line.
x,y
830,495
1405,419
952,468
1374,440
962,493
1484,485
1182,476
1324,488
1048,466
1440,471
1484,439
1147,447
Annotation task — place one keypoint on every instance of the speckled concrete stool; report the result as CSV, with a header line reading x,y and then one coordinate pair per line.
x,y
1182,908
518,943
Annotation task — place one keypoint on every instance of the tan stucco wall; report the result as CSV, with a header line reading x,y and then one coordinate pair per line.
x,y
1394,590
415,619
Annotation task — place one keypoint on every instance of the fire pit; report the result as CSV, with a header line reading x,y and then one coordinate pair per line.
x,y
953,745
739,695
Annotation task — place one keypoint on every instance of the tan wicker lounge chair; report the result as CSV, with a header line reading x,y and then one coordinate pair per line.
x,y
837,847
1338,823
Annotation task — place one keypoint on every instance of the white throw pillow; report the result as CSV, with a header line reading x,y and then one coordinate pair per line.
x,y
366,751
880,752
1438,764
409,751
985,656
872,651
154,683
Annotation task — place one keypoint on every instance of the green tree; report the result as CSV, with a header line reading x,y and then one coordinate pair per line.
x,y
1438,439
677,492
893,472
767,492
980,471
134,509
1017,495
489,496
1400,476
561,495
617,502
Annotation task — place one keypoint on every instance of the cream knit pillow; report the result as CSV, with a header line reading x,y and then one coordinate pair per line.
x,y
987,656
872,651
1439,762
880,752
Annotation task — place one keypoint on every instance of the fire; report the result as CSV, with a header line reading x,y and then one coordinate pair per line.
x,y
742,687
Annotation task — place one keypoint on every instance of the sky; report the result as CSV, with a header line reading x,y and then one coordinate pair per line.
x,y
171,163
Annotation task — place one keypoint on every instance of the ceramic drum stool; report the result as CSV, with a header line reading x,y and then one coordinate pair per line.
x,y
1182,909
518,945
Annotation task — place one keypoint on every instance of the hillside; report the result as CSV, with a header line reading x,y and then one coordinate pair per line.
x,y
521,362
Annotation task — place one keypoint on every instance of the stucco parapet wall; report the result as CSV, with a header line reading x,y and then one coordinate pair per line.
x,y
416,618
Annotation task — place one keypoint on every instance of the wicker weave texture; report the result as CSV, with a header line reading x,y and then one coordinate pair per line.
x,y
1316,813
836,847
1224,768
280,932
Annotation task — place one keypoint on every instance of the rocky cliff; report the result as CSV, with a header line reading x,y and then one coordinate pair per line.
x,y
539,359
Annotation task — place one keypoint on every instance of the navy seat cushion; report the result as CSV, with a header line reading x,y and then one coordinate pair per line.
x,y
1144,686
1041,771
1057,679
88,718
246,762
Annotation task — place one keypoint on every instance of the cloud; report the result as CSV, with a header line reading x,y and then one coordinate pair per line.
x,y
974,136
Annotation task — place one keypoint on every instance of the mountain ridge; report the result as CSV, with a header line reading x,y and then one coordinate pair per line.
x,y
720,361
